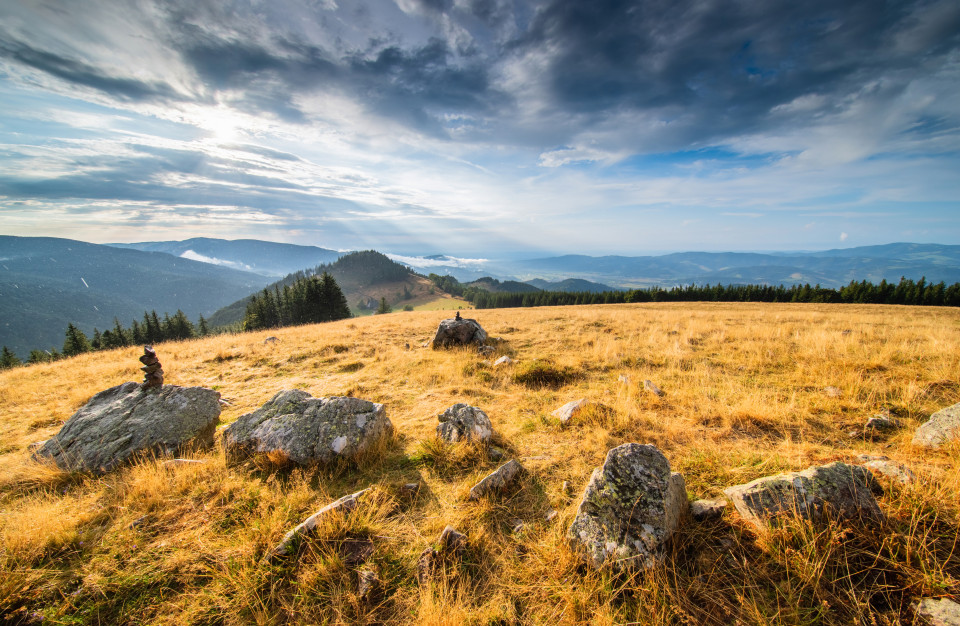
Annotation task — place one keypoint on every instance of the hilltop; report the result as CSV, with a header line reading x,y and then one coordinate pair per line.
x,y
750,390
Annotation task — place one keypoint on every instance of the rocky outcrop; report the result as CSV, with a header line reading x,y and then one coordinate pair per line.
x,y
497,480
462,422
942,428
308,430
630,508
459,332
838,489
306,528
125,421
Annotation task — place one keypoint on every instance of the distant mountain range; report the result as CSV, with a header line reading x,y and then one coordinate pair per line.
x,y
830,268
46,283
250,255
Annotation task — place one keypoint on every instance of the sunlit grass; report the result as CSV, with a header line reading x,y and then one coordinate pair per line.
x,y
744,397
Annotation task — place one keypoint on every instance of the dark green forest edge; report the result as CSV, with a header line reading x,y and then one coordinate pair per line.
x,y
906,291
306,298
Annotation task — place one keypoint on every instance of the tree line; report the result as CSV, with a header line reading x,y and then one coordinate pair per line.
x,y
907,292
309,300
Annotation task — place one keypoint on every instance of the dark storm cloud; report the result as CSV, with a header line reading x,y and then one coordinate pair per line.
x,y
726,64
83,74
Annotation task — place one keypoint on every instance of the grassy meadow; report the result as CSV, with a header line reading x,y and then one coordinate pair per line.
x,y
744,397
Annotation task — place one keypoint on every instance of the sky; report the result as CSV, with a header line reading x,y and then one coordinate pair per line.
x,y
483,127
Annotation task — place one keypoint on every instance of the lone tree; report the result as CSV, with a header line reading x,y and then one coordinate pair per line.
x,y
75,341
8,359
384,307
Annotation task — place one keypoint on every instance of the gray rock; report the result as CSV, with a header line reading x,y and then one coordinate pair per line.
x,y
832,392
649,386
496,480
495,454
307,429
943,427
462,332
123,422
306,528
703,510
571,409
504,360
881,423
450,547
846,490
890,470
939,612
369,586
630,508
550,515
462,422
485,350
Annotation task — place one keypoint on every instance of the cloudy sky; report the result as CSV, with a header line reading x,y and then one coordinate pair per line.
x,y
483,127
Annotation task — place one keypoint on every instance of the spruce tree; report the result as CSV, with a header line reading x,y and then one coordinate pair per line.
x,y
96,342
75,341
8,359
202,329
384,307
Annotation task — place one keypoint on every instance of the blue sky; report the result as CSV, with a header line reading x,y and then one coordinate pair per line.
x,y
483,127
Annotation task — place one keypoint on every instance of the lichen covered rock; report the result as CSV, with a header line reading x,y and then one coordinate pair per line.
x,y
124,421
846,491
630,508
308,430
942,428
462,422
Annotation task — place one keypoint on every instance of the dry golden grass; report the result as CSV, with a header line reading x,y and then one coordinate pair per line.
x,y
744,398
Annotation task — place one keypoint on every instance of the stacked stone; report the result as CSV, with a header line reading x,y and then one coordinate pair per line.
x,y
152,374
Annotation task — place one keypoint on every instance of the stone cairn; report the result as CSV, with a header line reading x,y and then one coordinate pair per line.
x,y
152,374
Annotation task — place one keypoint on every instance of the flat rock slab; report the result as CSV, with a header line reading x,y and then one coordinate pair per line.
x,y
306,528
942,428
462,332
497,480
125,421
462,422
939,612
845,490
308,430
630,508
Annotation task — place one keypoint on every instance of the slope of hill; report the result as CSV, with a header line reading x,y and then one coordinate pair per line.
x,y
751,390
364,277
46,283
830,268
252,255
570,284
488,283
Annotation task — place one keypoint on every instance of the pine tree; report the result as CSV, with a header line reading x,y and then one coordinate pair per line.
x,y
97,341
335,302
202,329
384,307
75,341
8,359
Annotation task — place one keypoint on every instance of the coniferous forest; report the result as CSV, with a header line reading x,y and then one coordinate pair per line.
x,y
308,300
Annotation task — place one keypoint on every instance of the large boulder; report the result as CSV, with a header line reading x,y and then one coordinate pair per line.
x,y
463,422
459,332
308,430
843,490
942,427
125,421
630,508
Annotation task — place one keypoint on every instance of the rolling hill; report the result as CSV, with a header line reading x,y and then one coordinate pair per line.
x,y
46,283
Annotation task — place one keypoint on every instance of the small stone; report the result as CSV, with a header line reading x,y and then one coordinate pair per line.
x,y
942,427
484,350
410,489
450,547
880,422
853,434
551,515
504,360
497,480
649,386
571,409
306,528
891,471
452,541
271,340
702,510
495,454
566,488
832,392
939,612
369,586
462,422
518,526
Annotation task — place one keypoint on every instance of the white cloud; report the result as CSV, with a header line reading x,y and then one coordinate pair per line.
x,y
843,236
